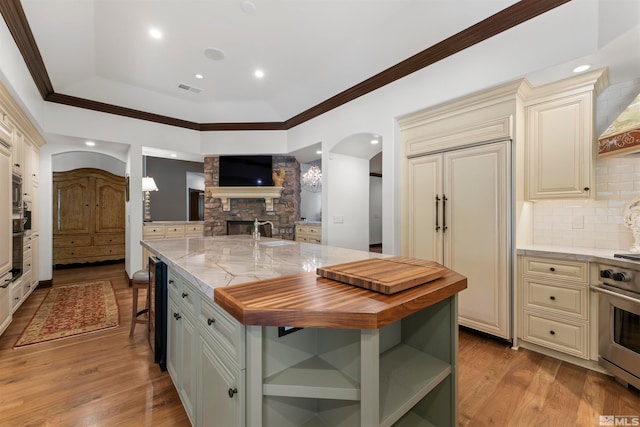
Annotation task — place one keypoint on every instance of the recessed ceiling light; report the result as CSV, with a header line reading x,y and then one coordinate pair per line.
x,y
581,68
374,141
173,155
199,76
259,74
319,152
90,144
155,33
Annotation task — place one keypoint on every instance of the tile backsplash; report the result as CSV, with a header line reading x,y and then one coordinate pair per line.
x,y
592,223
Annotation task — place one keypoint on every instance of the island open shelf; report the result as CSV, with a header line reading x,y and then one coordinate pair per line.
x,y
339,377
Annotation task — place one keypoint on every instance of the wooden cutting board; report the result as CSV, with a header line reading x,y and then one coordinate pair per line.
x,y
385,275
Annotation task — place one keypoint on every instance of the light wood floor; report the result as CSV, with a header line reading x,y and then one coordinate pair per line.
x,y
106,379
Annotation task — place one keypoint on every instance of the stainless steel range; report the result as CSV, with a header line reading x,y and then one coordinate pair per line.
x,y
619,317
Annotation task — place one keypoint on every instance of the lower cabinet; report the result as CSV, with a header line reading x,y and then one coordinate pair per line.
x,y
554,305
200,358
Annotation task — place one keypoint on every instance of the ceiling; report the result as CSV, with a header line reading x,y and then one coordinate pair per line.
x,y
315,54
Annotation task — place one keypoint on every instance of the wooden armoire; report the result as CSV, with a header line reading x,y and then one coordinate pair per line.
x,y
88,216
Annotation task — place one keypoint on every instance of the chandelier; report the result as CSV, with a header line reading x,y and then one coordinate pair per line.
x,y
312,179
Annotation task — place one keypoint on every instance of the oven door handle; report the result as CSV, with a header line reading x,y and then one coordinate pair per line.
x,y
615,294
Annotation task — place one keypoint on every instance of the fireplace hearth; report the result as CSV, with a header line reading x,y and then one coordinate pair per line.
x,y
246,227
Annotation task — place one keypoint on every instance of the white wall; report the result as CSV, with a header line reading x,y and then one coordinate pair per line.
x,y
87,159
347,225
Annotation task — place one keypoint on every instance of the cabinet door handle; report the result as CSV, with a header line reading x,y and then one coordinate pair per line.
x,y
444,210
552,269
552,332
232,391
184,295
552,298
171,281
176,316
211,321
586,189
437,213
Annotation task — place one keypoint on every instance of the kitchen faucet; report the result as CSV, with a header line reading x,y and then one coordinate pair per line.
x,y
256,228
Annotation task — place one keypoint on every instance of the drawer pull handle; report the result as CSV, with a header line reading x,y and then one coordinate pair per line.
x,y
232,391
210,321
552,269
552,298
552,332
171,281
184,295
176,316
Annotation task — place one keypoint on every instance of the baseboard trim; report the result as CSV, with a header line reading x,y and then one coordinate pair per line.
x,y
45,284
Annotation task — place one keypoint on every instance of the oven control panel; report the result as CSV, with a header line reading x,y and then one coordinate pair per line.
x,y
623,278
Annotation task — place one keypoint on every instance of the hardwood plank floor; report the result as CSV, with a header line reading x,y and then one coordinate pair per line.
x,y
107,379
100,379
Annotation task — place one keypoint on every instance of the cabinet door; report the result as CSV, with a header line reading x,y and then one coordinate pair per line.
x,y
174,338
423,223
5,213
17,154
560,148
71,206
476,241
109,206
188,364
219,394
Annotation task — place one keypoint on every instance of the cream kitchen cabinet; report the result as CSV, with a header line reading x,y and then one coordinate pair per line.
x,y
17,154
205,356
457,213
6,250
308,232
554,304
560,140
5,204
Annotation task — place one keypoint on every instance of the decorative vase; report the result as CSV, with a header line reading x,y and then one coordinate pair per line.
x,y
632,221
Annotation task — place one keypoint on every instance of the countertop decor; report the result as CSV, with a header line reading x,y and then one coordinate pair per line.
x,y
632,221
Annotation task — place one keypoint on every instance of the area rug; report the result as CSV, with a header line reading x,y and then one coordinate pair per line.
x,y
72,310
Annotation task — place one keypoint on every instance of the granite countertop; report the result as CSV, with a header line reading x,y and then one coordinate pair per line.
x,y
212,262
308,222
577,254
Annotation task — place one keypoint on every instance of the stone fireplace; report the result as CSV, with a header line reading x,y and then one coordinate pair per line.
x,y
286,208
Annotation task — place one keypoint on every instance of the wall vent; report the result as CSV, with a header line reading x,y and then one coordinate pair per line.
x,y
189,88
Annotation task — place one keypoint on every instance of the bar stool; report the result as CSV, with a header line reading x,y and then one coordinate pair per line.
x,y
139,281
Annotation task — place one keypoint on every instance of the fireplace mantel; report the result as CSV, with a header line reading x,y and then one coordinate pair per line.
x,y
225,194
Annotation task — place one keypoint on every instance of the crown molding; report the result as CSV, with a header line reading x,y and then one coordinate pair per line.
x,y
524,10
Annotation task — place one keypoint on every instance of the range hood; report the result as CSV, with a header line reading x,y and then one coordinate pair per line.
x,y
623,135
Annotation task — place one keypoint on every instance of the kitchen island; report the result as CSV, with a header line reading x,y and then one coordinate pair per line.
x,y
256,338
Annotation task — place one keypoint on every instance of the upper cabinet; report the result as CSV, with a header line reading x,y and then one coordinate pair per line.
x,y
560,139
17,154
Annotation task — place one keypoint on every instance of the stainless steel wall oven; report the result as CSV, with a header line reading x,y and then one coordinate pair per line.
x,y
619,321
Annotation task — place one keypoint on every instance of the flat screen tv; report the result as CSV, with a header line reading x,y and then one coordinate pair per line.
x,y
245,171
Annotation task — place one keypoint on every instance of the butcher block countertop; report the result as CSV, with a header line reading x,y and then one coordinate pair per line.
x,y
308,300
274,282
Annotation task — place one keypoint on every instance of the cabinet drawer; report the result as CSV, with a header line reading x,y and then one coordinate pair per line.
x,y
314,231
564,336
225,330
71,241
26,264
108,239
559,269
174,284
194,230
174,231
562,299
153,232
86,252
